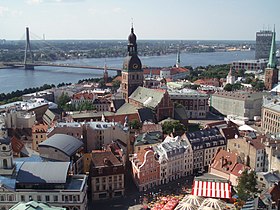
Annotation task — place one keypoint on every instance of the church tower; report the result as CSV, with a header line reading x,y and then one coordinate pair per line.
x,y
271,72
230,77
132,73
178,61
6,157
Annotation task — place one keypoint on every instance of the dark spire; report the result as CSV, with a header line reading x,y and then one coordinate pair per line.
x,y
132,45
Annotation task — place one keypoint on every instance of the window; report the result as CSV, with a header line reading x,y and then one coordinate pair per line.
x,y
11,197
55,198
39,198
97,180
47,198
2,198
22,198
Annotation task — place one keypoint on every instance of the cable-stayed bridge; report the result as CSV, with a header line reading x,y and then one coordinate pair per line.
x,y
29,63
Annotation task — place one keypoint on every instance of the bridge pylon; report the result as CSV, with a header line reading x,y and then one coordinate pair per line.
x,y
28,63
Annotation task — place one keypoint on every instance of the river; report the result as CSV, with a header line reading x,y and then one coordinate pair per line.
x,y
18,79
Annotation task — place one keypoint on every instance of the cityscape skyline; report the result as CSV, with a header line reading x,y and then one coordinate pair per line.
x,y
176,20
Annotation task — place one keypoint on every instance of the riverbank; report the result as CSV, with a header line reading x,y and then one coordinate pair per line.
x,y
13,79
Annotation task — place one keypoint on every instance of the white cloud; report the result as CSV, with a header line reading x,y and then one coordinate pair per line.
x,y
117,10
32,2
6,12
3,10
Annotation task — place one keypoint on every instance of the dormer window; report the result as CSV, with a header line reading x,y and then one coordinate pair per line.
x,y
4,148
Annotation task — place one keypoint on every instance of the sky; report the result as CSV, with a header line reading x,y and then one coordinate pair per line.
x,y
152,19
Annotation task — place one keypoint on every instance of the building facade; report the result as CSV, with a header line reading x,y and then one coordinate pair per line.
x,y
263,42
175,158
251,152
205,144
195,103
249,65
271,117
145,169
33,182
107,175
39,134
243,104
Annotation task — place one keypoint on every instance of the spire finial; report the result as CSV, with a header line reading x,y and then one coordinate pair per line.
x,y
131,22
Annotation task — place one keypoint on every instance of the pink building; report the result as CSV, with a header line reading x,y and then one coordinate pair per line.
x,y
145,169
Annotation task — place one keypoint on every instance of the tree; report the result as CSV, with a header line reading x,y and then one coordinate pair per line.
x,y
173,126
247,184
115,85
63,100
134,124
228,87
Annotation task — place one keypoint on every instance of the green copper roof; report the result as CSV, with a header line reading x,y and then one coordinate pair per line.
x,y
272,62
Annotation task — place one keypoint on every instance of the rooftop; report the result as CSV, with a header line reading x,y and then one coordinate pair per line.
x,y
24,105
33,205
43,172
102,158
65,143
240,95
148,97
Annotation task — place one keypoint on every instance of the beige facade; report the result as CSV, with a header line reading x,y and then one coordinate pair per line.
x,y
106,175
39,134
271,117
100,134
251,152
244,104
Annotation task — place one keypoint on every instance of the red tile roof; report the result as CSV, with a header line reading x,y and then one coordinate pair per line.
x,y
17,144
238,169
85,95
152,71
224,161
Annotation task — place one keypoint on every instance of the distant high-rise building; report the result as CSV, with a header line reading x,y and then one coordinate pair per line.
x,y
263,42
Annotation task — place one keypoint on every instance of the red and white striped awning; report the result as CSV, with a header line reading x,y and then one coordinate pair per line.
x,y
211,189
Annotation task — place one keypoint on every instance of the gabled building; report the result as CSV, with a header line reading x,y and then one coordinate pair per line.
x,y
175,158
145,169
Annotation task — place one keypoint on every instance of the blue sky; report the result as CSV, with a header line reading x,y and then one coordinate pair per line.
x,y
153,19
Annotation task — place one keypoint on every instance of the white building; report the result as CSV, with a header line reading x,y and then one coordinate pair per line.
x,y
175,158
46,182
